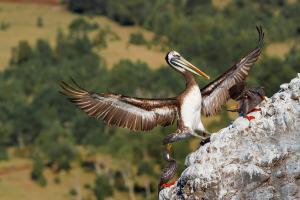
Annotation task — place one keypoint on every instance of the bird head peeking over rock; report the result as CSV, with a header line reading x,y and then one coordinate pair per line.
x,y
248,98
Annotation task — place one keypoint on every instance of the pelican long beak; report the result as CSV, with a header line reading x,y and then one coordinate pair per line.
x,y
181,62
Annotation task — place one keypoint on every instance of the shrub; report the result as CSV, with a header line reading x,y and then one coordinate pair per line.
x,y
39,22
57,180
137,38
73,192
4,26
37,172
102,187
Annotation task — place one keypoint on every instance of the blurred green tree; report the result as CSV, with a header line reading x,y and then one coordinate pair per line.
x,y
57,146
37,170
137,38
22,54
102,187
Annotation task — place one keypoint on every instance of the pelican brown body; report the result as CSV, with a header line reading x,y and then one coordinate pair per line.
x,y
144,114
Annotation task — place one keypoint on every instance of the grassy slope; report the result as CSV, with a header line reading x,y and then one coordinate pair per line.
x,y
280,49
18,185
23,17
220,3
15,183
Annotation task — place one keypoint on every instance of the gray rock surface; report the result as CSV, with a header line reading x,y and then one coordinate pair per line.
x,y
256,160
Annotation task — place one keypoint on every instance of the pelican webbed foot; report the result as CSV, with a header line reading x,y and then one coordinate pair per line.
x,y
204,141
204,135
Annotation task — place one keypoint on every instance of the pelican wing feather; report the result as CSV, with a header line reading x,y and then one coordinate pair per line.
x,y
217,93
123,111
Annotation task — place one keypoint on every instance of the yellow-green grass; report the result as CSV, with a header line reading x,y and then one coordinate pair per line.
x,y
22,20
280,49
16,184
221,4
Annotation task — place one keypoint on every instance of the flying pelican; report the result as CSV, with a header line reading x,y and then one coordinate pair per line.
x,y
145,114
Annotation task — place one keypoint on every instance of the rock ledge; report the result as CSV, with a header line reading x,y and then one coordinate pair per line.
x,y
249,160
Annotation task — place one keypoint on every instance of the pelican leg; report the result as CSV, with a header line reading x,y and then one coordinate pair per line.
x,y
201,134
204,135
177,136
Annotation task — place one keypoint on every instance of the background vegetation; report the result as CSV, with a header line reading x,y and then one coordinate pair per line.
x,y
82,156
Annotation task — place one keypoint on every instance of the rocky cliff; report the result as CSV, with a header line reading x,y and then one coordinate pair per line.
x,y
257,160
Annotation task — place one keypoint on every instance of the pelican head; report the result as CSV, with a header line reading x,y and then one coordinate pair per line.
x,y
175,60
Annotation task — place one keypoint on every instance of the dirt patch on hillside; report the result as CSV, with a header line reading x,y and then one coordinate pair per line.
x,y
13,169
47,2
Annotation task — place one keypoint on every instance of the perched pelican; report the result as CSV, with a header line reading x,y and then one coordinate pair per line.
x,y
144,114
248,99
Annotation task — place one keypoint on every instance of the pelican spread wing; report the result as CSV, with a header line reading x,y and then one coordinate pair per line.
x,y
216,93
118,110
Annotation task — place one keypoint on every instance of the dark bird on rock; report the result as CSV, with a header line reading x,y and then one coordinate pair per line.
x,y
169,172
248,98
